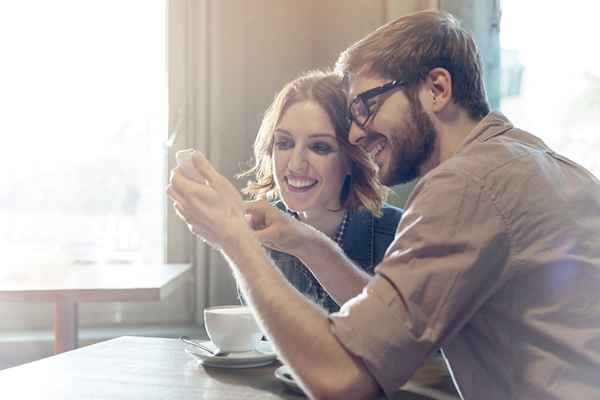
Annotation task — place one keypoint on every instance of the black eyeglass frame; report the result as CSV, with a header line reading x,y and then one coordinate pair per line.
x,y
362,99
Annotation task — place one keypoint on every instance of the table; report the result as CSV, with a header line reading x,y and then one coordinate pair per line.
x,y
66,286
141,368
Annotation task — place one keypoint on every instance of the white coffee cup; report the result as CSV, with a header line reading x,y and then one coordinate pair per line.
x,y
232,328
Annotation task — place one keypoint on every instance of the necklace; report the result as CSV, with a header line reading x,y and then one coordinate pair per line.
x,y
339,235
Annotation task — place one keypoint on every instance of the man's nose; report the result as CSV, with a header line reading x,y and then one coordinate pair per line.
x,y
356,134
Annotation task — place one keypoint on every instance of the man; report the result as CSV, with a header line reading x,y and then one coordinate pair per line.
x,y
496,260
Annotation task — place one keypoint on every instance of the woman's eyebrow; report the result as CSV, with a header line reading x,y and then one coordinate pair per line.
x,y
311,136
329,135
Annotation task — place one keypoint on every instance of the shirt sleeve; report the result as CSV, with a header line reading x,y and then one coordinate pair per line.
x,y
448,257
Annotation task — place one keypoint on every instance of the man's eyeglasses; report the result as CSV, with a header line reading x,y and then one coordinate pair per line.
x,y
360,112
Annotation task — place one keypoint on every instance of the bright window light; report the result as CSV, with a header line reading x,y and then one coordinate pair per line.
x,y
551,74
84,110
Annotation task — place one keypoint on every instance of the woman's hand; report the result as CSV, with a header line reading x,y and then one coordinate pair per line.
x,y
210,205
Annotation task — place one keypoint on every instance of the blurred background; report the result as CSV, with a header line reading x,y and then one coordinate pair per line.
x,y
94,92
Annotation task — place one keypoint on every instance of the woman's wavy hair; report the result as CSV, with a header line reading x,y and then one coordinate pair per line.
x,y
328,89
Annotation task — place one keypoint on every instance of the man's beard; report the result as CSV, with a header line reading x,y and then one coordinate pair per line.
x,y
410,147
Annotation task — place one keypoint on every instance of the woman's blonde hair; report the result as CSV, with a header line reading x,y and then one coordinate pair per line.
x,y
328,90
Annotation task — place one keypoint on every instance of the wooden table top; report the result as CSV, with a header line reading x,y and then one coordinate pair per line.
x,y
91,282
141,368
137,368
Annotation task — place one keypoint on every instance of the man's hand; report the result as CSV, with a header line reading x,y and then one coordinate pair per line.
x,y
210,205
277,230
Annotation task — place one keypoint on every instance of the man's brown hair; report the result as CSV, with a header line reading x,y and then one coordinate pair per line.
x,y
411,46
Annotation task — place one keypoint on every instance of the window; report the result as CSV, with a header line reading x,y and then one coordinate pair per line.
x,y
84,114
83,157
551,74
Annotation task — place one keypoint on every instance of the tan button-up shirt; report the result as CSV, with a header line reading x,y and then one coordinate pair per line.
x,y
497,261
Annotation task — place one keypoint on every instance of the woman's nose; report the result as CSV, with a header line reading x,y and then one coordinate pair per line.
x,y
298,161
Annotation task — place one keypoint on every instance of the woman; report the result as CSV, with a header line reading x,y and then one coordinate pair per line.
x,y
305,164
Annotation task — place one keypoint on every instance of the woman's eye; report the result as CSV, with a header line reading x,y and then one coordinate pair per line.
x,y
283,144
321,148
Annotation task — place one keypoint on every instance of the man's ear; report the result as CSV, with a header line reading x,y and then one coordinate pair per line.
x,y
439,85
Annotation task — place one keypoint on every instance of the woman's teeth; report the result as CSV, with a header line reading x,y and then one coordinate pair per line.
x,y
301,183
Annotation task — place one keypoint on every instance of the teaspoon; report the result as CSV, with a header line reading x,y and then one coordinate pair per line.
x,y
217,352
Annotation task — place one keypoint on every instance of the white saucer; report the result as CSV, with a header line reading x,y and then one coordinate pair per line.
x,y
263,355
284,375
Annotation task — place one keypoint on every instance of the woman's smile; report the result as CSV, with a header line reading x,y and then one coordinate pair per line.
x,y
300,184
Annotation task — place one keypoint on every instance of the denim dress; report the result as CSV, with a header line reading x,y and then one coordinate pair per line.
x,y
364,241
